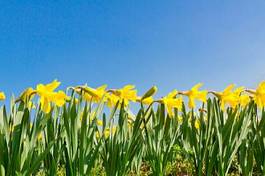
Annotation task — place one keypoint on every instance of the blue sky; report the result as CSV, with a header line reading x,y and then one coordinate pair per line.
x,y
171,44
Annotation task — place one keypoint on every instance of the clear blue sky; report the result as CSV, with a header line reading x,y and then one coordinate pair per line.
x,y
171,44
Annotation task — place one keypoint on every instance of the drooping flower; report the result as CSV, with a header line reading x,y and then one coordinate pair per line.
x,y
171,102
195,94
26,97
27,94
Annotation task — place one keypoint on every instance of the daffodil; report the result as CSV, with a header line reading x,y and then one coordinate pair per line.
x,y
76,101
244,100
98,135
112,100
28,94
109,131
170,101
180,119
106,133
126,94
2,96
59,98
195,94
148,101
48,96
95,95
99,122
259,95
197,124
147,98
230,97
39,137
26,97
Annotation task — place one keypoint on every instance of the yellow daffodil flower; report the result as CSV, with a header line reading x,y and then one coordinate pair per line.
x,y
180,119
106,133
109,131
59,98
76,101
126,94
39,137
99,122
197,124
244,100
259,95
27,96
97,134
230,97
112,100
195,94
147,98
170,101
148,101
95,95
47,95
2,96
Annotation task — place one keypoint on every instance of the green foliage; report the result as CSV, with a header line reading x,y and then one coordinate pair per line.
x,y
70,141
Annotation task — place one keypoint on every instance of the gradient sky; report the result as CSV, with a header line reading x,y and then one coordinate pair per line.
x,y
171,44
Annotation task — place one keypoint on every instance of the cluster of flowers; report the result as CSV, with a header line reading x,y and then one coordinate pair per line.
x,y
229,97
